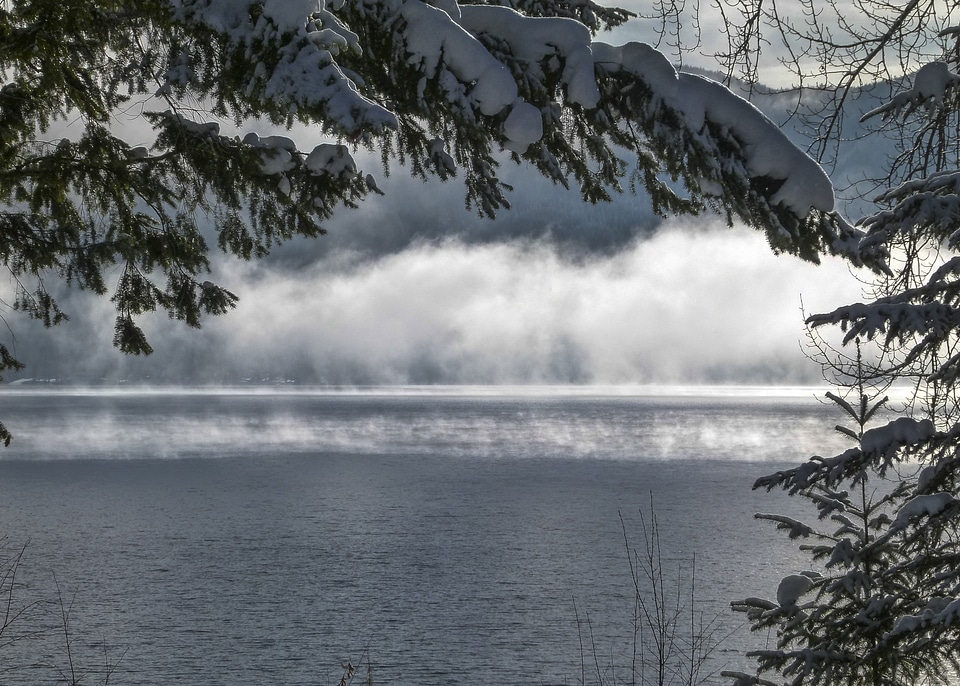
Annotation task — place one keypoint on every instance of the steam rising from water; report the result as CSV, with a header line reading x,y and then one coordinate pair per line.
x,y
462,423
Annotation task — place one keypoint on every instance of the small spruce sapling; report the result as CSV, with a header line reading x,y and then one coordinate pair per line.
x,y
881,605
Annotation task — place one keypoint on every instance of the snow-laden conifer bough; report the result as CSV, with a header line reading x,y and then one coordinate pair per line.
x,y
449,79
447,43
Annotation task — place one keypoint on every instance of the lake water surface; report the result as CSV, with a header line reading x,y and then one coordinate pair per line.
x,y
440,536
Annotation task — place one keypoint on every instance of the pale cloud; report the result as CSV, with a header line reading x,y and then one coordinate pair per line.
x,y
687,305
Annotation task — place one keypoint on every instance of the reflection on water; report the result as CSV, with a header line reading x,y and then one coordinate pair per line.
x,y
451,537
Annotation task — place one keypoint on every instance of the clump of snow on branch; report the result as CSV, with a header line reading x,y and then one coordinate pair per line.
x,y
533,39
433,39
441,159
794,527
233,15
327,158
791,588
288,14
280,155
903,431
276,153
523,127
201,129
939,611
931,84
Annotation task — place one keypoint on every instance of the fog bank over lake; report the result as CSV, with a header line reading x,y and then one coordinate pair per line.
x,y
686,305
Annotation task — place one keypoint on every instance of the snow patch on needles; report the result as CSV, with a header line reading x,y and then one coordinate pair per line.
x,y
643,61
523,126
308,37
923,506
210,128
791,588
279,154
533,39
233,16
939,611
276,152
328,158
904,431
430,36
288,15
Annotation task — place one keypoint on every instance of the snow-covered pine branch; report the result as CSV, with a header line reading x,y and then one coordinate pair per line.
x,y
925,505
488,77
893,320
928,204
934,85
794,527
880,448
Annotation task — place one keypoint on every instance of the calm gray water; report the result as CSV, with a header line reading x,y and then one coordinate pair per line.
x,y
443,536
